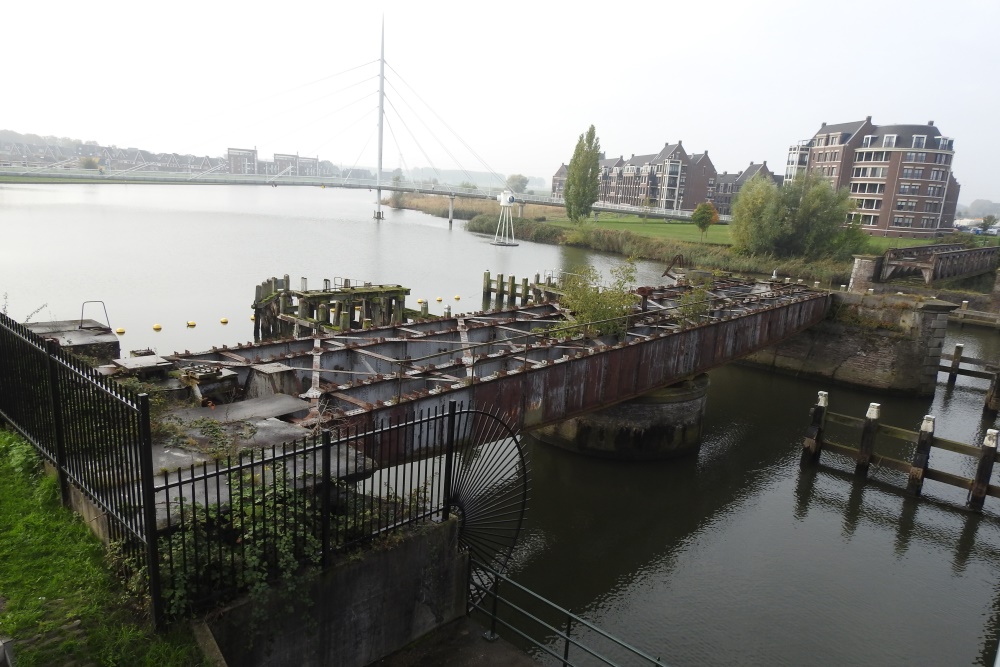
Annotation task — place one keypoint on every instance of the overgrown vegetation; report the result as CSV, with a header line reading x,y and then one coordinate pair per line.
x,y
802,219
60,601
600,309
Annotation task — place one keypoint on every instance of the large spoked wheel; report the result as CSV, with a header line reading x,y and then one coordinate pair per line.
x,y
489,492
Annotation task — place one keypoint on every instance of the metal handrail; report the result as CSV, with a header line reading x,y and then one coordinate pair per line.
x,y
492,593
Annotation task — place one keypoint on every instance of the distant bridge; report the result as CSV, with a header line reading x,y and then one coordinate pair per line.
x,y
937,262
529,362
451,191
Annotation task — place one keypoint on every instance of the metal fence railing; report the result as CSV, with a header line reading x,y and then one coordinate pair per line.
x,y
551,634
94,433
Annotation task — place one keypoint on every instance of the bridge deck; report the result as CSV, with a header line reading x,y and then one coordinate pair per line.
x,y
527,362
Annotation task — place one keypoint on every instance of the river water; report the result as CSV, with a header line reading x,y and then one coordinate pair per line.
x,y
730,557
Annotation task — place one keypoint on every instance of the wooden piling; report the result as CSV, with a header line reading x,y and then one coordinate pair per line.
x,y
921,457
812,445
487,285
511,290
500,289
524,291
980,485
867,446
992,404
956,361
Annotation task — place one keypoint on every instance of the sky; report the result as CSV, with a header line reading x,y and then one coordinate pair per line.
x,y
504,87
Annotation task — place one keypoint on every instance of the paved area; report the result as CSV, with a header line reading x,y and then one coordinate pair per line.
x,y
458,644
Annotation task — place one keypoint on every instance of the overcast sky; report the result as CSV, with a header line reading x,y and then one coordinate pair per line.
x,y
515,82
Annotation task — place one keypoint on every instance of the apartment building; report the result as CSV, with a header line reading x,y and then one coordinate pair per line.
x,y
729,185
899,176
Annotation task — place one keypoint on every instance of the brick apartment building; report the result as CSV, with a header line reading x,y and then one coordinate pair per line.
x,y
899,176
669,179
728,185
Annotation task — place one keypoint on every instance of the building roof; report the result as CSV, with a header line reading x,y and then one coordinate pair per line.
x,y
905,133
639,160
850,129
752,171
726,177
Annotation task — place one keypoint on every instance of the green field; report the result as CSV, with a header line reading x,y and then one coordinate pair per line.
x,y
661,229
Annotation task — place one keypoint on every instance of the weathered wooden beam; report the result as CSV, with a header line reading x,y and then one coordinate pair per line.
x,y
921,457
867,446
812,445
981,483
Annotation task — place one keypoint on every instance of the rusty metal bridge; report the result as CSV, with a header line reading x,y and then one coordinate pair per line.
x,y
530,363
937,262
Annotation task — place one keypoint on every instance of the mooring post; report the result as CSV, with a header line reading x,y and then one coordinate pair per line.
x,y
487,285
956,360
424,309
500,288
867,440
524,291
992,404
977,494
921,457
812,445
511,290
451,209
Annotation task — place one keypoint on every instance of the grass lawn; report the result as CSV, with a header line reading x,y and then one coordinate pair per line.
x,y
656,228
58,599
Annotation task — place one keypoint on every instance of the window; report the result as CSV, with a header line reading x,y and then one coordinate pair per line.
x,y
932,206
711,181
928,223
912,172
834,140
902,221
942,158
909,189
869,220
906,205
934,190
869,204
918,140
921,157
889,141
938,174
821,141
868,141
836,155
945,144
833,170
910,157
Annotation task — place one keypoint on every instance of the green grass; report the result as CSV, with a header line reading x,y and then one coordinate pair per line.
x,y
655,228
60,601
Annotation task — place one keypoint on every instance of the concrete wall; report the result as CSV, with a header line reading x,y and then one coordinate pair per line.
x,y
887,342
359,610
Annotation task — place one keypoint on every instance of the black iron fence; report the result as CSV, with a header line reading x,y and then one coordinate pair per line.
x,y
93,432
208,532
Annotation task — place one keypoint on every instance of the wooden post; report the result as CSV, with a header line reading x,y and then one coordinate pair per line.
x,y
487,285
956,360
500,288
921,457
524,291
992,404
511,290
977,494
812,445
867,445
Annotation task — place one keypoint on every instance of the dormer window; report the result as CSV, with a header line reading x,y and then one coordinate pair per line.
x,y
868,141
889,141
945,144
834,140
918,140
821,141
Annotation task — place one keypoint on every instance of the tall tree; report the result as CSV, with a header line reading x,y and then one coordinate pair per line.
x,y
988,221
806,218
704,216
517,183
581,189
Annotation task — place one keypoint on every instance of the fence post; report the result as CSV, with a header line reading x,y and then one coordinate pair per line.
x,y
55,399
148,483
977,494
867,440
449,455
921,457
491,634
812,445
327,490
956,360
569,625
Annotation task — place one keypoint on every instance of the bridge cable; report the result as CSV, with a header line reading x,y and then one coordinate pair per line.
x,y
434,136
359,155
347,127
464,143
410,132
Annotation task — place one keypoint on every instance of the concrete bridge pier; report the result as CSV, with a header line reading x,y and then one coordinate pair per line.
x,y
451,209
662,424
520,209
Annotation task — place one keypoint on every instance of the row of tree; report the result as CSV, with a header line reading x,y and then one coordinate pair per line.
x,y
806,218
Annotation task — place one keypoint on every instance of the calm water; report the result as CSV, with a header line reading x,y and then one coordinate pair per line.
x,y
731,557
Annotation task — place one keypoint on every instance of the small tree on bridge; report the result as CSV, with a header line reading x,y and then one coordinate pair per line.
x,y
582,188
600,309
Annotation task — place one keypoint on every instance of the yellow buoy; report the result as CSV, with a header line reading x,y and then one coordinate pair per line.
x,y
120,331
253,317
439,299
225,320
420,300
457,298
156,327
191,324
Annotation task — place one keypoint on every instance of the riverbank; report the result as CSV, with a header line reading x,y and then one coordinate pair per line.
x,y
58,600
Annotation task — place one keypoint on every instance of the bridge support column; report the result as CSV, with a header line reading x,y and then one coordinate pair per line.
x,y
520,210
864,274
662,424
451,209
